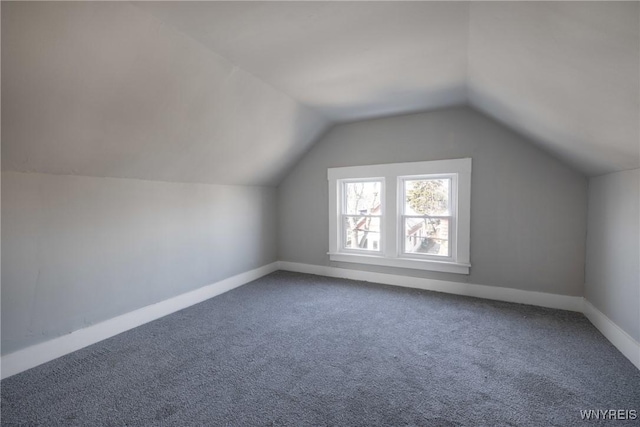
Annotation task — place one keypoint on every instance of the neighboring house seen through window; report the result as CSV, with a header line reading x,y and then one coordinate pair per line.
x,y
361,215
410,215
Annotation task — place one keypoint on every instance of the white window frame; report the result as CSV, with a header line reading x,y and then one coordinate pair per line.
x,y
342,214
392,200
452,216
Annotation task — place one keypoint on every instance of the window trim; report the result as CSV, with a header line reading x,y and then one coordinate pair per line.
x,y
391,250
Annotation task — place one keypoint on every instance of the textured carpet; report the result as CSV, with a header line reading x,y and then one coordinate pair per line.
x,y
295,349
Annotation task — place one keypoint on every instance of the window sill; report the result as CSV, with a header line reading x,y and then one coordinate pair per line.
x,y
441,266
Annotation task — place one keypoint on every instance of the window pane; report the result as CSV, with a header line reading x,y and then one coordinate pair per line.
x,y
427,196
362,198
429,236
361,232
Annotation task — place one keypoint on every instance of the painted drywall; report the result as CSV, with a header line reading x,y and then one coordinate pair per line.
x,y
565,73
105,89
613,248
219,92
79,250
348,60
528,209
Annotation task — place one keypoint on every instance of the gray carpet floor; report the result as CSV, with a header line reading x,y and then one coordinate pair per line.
x,y
295,349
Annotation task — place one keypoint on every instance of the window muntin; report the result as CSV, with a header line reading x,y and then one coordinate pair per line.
x,y
361,212
444,225
426,220
426,236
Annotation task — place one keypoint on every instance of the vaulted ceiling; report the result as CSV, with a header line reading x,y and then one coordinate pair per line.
x,y
347,60
566,74
236,92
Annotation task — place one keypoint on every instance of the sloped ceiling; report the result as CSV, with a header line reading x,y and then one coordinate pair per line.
x,y
236,92
105,89
567,74
347,60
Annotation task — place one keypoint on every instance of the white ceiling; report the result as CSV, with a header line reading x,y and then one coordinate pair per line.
x,y
566,74
236,92
347,60
104,89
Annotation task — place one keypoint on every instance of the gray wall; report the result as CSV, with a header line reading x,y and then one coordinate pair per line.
x,y
528,210
613,248
78,250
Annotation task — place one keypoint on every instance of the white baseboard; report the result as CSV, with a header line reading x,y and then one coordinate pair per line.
x,y
38,354
619,338
541,299
629,347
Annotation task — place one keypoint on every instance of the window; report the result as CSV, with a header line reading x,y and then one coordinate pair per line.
x,y
426,216
361,215
410,215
